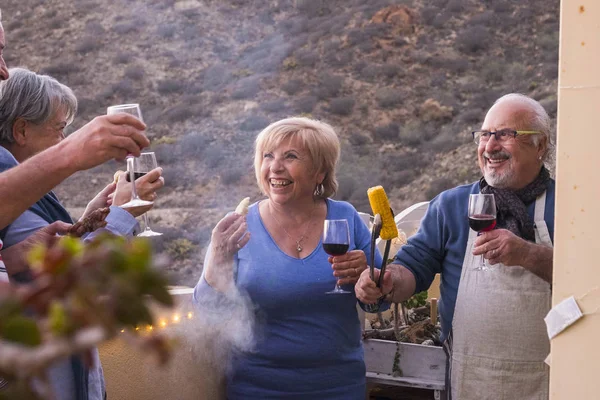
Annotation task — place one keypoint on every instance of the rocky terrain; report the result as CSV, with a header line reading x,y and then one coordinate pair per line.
x,y
402,81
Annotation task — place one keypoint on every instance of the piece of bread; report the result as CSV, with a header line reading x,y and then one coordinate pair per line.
x,y
242,208
116,176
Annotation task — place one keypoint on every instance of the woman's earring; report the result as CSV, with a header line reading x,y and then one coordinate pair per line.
x,y
319,189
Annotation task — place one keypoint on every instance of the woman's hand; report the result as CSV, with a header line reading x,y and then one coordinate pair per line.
x,y
349,266
228,237
146,188
101,200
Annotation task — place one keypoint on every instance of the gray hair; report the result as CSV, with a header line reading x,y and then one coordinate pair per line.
x,y
33,97
537,120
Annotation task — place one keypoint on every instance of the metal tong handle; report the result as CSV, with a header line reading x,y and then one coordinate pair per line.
x,y
386,254
374,235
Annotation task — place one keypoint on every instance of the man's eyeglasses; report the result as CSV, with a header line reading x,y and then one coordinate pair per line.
x,y
503,135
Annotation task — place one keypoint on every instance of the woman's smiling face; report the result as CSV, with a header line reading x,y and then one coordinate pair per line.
x,y
289,173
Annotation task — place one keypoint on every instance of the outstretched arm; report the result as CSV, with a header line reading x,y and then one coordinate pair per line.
x,y
100,140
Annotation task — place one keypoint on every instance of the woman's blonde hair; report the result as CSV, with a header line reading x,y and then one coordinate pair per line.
x,y
317,137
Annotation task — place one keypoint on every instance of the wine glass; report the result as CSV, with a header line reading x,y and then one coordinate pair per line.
x,y
133,109
336,241
482,218
143,164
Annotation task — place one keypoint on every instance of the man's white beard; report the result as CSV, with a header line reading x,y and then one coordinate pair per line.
x,y
497,179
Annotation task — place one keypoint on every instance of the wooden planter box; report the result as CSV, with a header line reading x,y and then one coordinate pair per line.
x,y
422,367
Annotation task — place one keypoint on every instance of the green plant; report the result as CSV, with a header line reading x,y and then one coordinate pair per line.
x,y
180,248
80,295
418,300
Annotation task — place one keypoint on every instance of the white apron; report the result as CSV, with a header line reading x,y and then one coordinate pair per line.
x,y
498,340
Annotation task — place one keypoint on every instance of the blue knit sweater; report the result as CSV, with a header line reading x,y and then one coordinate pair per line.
x,y
440,244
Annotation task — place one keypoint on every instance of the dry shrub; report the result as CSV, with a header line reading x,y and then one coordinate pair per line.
x,y
388,97
388,132
473,40
342,105
305,104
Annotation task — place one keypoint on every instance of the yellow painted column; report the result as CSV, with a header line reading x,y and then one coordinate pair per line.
x,y
575,352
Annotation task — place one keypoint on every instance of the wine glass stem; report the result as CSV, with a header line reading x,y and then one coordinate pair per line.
x,y
481,260
131,172
146,226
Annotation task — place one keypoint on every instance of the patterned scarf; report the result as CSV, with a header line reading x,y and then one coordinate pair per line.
x,y
512,204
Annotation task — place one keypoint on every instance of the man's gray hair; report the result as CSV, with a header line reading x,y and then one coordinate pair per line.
x,y
33,97
537,120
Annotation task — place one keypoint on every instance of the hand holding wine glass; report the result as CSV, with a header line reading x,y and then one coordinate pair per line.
x,y
336,241
482,217
142,165
133,109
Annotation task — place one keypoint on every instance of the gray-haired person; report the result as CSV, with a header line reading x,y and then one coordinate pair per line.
x,y
34,112
104,138
492,320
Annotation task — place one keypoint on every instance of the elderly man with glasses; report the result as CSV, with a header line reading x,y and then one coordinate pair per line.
x,y
492,319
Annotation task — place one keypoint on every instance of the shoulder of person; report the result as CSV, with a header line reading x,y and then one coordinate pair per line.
x,y
455,196
341,206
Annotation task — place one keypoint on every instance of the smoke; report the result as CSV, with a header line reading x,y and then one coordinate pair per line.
x,y
222,326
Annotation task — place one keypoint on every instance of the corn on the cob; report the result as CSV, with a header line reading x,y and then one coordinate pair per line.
x,y
380,205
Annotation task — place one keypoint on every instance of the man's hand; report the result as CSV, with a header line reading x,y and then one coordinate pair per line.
x,y
366,290
349,266
501,246
104,138
15,256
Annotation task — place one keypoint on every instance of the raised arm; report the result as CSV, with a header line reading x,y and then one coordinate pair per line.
x,y
102,139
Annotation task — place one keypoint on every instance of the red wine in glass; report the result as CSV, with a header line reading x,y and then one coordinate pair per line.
x,y
335,249
482,218
482,222
137,175
336,241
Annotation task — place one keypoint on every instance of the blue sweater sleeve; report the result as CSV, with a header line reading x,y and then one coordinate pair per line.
x,y
207,297
424,253
119,222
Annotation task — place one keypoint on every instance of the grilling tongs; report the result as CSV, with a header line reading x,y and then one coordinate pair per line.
x,y
374,235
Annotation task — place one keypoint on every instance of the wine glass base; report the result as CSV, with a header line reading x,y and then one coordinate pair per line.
x,y
483,268
149,233
136,203
338,291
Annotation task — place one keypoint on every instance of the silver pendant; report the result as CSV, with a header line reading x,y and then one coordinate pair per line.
x,y
298,247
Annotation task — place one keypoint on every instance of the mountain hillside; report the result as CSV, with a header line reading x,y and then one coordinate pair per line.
x,y
403,82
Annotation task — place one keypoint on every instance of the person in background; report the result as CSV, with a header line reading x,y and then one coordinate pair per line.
x,y
310,344
492,320
34,112
104,138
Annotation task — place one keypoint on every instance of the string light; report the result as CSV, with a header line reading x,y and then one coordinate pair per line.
x,y
176,318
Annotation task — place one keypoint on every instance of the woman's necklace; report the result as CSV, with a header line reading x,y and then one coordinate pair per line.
x,y
303,236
